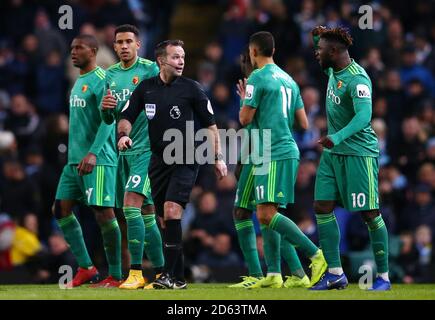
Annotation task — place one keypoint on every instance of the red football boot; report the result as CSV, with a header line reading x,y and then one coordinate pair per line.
x,y
109,282
84,276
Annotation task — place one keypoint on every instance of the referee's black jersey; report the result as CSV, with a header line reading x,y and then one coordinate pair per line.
x,y
168,106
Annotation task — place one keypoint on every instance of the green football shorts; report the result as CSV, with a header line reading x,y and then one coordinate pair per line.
x,y
94,189
352,181
132,176
245,197
271,182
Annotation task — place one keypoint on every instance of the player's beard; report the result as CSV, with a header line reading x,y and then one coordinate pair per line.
x,y
325,64
81,64
130,56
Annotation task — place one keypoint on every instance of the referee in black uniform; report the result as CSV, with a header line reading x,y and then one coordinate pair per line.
x,y
169,102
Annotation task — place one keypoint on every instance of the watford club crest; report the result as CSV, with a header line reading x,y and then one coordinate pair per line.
x,y
135,80
339,84
84,88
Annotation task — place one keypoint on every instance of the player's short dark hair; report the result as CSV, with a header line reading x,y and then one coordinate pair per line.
x,y
89,39
264,41
160,49
127,28
339,35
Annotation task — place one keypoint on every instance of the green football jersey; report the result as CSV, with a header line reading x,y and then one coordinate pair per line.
x,y
350,90
275,95
122,83
85,121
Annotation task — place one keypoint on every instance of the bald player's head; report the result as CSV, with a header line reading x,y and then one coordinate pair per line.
x,y
84,50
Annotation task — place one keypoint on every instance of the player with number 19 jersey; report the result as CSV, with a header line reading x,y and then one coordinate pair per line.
x,y
133,162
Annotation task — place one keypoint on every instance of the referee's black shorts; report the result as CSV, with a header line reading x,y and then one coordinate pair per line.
x,y
171,182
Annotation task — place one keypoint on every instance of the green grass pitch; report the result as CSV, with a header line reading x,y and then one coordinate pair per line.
x,y
213,292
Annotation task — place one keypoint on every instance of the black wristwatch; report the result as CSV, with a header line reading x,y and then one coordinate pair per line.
x,y
219,156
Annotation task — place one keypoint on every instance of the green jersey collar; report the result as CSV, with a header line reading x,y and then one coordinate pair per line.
x,y
352,62
89,72
130,67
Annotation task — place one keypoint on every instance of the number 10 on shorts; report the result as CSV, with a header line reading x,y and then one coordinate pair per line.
x,y
358,200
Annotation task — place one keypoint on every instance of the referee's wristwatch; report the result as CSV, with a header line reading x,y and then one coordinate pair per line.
x,y
218,156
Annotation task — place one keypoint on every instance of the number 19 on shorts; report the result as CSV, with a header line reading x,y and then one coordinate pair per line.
x,y
358,200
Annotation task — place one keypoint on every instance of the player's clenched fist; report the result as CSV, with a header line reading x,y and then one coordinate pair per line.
x,y
109,101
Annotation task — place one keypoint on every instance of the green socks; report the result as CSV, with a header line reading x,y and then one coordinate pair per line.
x,y
290,232
329,238
379,240
248,244
74,237
153,241
288,252
135,234
271,245
112,245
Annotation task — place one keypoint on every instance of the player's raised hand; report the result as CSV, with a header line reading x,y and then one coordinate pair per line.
x,y
317,31
241,88
87,164
326,142
109,101
124,143
220,169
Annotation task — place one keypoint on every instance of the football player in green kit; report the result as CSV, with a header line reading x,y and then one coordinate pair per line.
x,y
268,97
89,175
133,185
348,169
244,207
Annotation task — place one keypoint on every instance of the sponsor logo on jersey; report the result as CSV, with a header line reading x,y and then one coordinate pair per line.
x,y
75,101
249,91
150,110
84,88
175,112
331,95
122,95
135,80
363,91
339,84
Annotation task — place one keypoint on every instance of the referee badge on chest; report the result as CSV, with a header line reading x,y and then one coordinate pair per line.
x,y
150,110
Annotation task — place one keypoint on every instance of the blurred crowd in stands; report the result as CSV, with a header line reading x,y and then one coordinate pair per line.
x,y
398,54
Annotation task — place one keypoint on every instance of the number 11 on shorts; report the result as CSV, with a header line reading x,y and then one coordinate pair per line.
x,y
260,192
